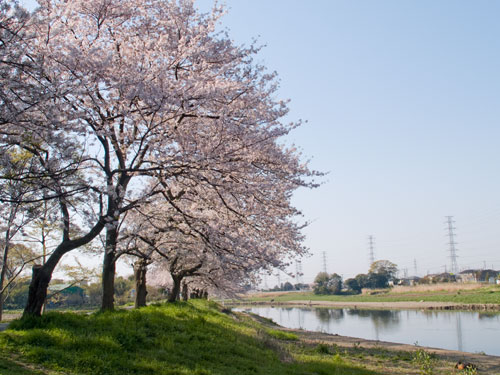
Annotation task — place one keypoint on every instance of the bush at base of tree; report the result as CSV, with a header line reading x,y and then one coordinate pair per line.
x,y
327,284
379,275
353,286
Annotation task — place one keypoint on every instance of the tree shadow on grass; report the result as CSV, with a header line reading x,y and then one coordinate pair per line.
x,y
178,339
10,367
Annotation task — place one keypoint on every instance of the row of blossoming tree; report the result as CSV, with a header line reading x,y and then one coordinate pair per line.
x,y
140,122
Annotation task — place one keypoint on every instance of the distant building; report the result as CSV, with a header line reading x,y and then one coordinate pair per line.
x,y
439,278
409,281
65,294
478,276
467,276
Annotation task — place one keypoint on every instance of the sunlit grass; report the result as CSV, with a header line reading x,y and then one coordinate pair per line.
x,y
181,338
282,335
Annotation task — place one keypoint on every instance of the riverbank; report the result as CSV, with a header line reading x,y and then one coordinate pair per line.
x,y
436,296
394,358
401,305
445,359
202,338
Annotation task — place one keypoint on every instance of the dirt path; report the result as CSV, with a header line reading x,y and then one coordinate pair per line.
x,y
7,318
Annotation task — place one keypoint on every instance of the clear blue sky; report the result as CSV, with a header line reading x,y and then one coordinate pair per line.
x,y
402,100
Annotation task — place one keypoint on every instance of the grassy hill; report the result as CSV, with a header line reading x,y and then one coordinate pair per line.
x,y
196,337
199,338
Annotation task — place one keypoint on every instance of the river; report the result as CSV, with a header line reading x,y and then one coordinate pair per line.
x,y
468,331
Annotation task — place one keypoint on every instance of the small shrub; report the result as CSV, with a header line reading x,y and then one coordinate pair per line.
x,y
282,335
470,371
323,349
337,359
425,362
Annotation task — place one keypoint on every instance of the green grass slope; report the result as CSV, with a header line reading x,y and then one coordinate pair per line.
x,y
8,366
181,338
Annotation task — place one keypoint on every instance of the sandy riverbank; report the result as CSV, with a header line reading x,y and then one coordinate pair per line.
x,y
486,364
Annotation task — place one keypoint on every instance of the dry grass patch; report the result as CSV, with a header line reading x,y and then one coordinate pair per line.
x,y
444,287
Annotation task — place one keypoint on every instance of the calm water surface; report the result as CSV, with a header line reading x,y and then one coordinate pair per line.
x,y
456,330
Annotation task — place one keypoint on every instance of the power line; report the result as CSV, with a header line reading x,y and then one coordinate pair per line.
x,y
452,243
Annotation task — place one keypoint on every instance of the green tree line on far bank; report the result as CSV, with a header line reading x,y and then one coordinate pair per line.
x,y
382,274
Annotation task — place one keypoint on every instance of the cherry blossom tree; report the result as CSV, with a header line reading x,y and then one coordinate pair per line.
x,y
27,98
213,242
13,36
14,215
146,93
53,178
140,251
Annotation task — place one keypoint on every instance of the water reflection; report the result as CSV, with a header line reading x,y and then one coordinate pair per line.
x,y
381,318
460,345
488,315
325,315
464,331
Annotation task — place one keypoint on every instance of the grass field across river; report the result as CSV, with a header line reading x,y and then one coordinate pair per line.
x,y
456,293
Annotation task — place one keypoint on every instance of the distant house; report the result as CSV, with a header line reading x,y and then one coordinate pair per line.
x,y
478,276
65,294
485,276
467,276
444,277
409,281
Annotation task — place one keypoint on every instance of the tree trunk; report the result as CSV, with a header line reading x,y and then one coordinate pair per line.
x,y
140,269
40,281
1,305
42,274
108,281
109,269
185,292
38,290
174,295
4,269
